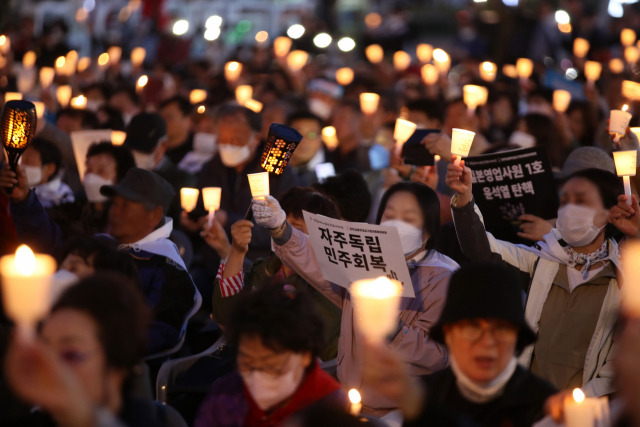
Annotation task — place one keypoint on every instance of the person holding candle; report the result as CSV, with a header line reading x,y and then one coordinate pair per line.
x,y
232,280
311,151
574,265
414,210
176,112
79,373
278,336
351,153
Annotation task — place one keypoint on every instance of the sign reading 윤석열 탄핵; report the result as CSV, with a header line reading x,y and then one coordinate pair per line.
x,y
350,251
509,184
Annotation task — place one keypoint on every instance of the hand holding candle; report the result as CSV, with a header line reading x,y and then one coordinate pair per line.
x,y
376,304
580,411
26,281
625,167
461,141
211,198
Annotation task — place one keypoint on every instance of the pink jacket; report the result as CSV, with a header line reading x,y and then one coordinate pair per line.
x,y
430,279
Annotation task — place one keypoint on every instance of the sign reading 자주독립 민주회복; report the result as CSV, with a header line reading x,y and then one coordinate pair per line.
x,y
509,184
350,251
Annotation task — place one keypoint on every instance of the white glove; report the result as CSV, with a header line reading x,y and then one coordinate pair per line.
x,y
268,213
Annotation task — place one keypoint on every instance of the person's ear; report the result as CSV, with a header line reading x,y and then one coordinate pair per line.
x,y
306,359
157,214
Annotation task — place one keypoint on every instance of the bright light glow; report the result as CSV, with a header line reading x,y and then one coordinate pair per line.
x,y
281,46
565,28
401,60
180,27
189,198
79,101
625,107
571,74
346,44
578,395
213,21
212,33
424,52
60,62
142,81
615,9
297,59
201,109
137,56
84,63
344,76
354,396
440,55
488,71
511,3
373,20
262,36
296,31
89,5
322,40
562,17
29,59
429,74
25,261
616,65
401,133
253,105
103,59
374,53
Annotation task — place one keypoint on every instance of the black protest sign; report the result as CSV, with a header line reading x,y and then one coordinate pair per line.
x,y
509,184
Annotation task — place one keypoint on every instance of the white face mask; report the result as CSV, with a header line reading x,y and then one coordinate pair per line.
x,y
522,139
204,143
33,173
320,108
92,184
143,160
575,224
268,390
410,236
233,155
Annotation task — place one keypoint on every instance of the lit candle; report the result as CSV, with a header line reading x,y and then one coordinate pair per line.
x,y
189,198
369,103
616,66
103,61
141,83
441,60
26,282
71,60
211,199
524,67
344,76
118,137
627,37
401,61
374,53
580,47
297,59
259,184
63,95
581,411
631,54
403,131
436,159
461,141
243,93
561,100
376,304
429,74
618,122
329,137
39,109
592,71
631,90
79,102
10,96
424,52
510,71
115,53
83,64
197,96
46,76
5,44
488,71
474,96
625,167
29,60
631,289
356,401
253,105
282,46
137,56
59,65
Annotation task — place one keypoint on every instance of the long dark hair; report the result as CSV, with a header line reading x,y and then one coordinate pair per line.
x,y
429,205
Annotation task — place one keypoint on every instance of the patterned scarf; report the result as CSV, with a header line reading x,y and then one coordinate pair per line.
x,y
587,260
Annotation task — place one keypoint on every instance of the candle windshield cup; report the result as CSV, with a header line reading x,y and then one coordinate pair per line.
x,y
211,199
461,141
26,281
137,56
631,289
63,95
631,90
424,52
259,184
374,53
118,137
282,46
281,143
561,100
618,122
401,61
488,71
369,103
232,71
197,96
12,96
47,75
441,60
580,47
403,131
524,67
625,167
344,76
329,137
580,411
592,71
17,128
376,304
429,74
474,96
253,105
243,94
297,59
189,198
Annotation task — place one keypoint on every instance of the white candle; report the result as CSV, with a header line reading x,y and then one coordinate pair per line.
x,y
356,401
625,167
26,282
377,304
189,198
369,103
618,122
581,411
461,141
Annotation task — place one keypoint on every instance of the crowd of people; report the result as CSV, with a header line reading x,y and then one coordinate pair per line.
x,y
501,330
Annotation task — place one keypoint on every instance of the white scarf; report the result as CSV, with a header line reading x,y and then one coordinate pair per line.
x,y
157,242
54,193
482,393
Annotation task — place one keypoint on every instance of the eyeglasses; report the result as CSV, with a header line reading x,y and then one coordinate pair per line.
x,y
474,330
268,369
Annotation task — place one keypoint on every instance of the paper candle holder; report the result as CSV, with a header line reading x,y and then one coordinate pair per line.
x,y
429,74
403,131
244,93
592,70
210,197
47,74
329,137
475,96
253,105
616,65
618,122
636,132
461,141
17,128
189,198
297,59
12,96
580,47
40,108
488,71
79,102
524,67
369,103
561,100
376,304
631,90
29,59
374,53
281,143
282,46
441,60
581,411
424,52
232,71
63,95
118,137
259,184
115,53
26,286
631,54
344,76
401,61
83,64
627,37
197,96
625,162
138,54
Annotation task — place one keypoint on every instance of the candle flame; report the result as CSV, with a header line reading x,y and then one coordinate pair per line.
x,y
25,260
201,109
578,395
625,107
142,81
354,396
60,62
103,59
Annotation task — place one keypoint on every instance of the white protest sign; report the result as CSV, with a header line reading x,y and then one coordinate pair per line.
x,y
350,251
81,141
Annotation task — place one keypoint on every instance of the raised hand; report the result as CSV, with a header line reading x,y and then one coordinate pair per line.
x,y
459,180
